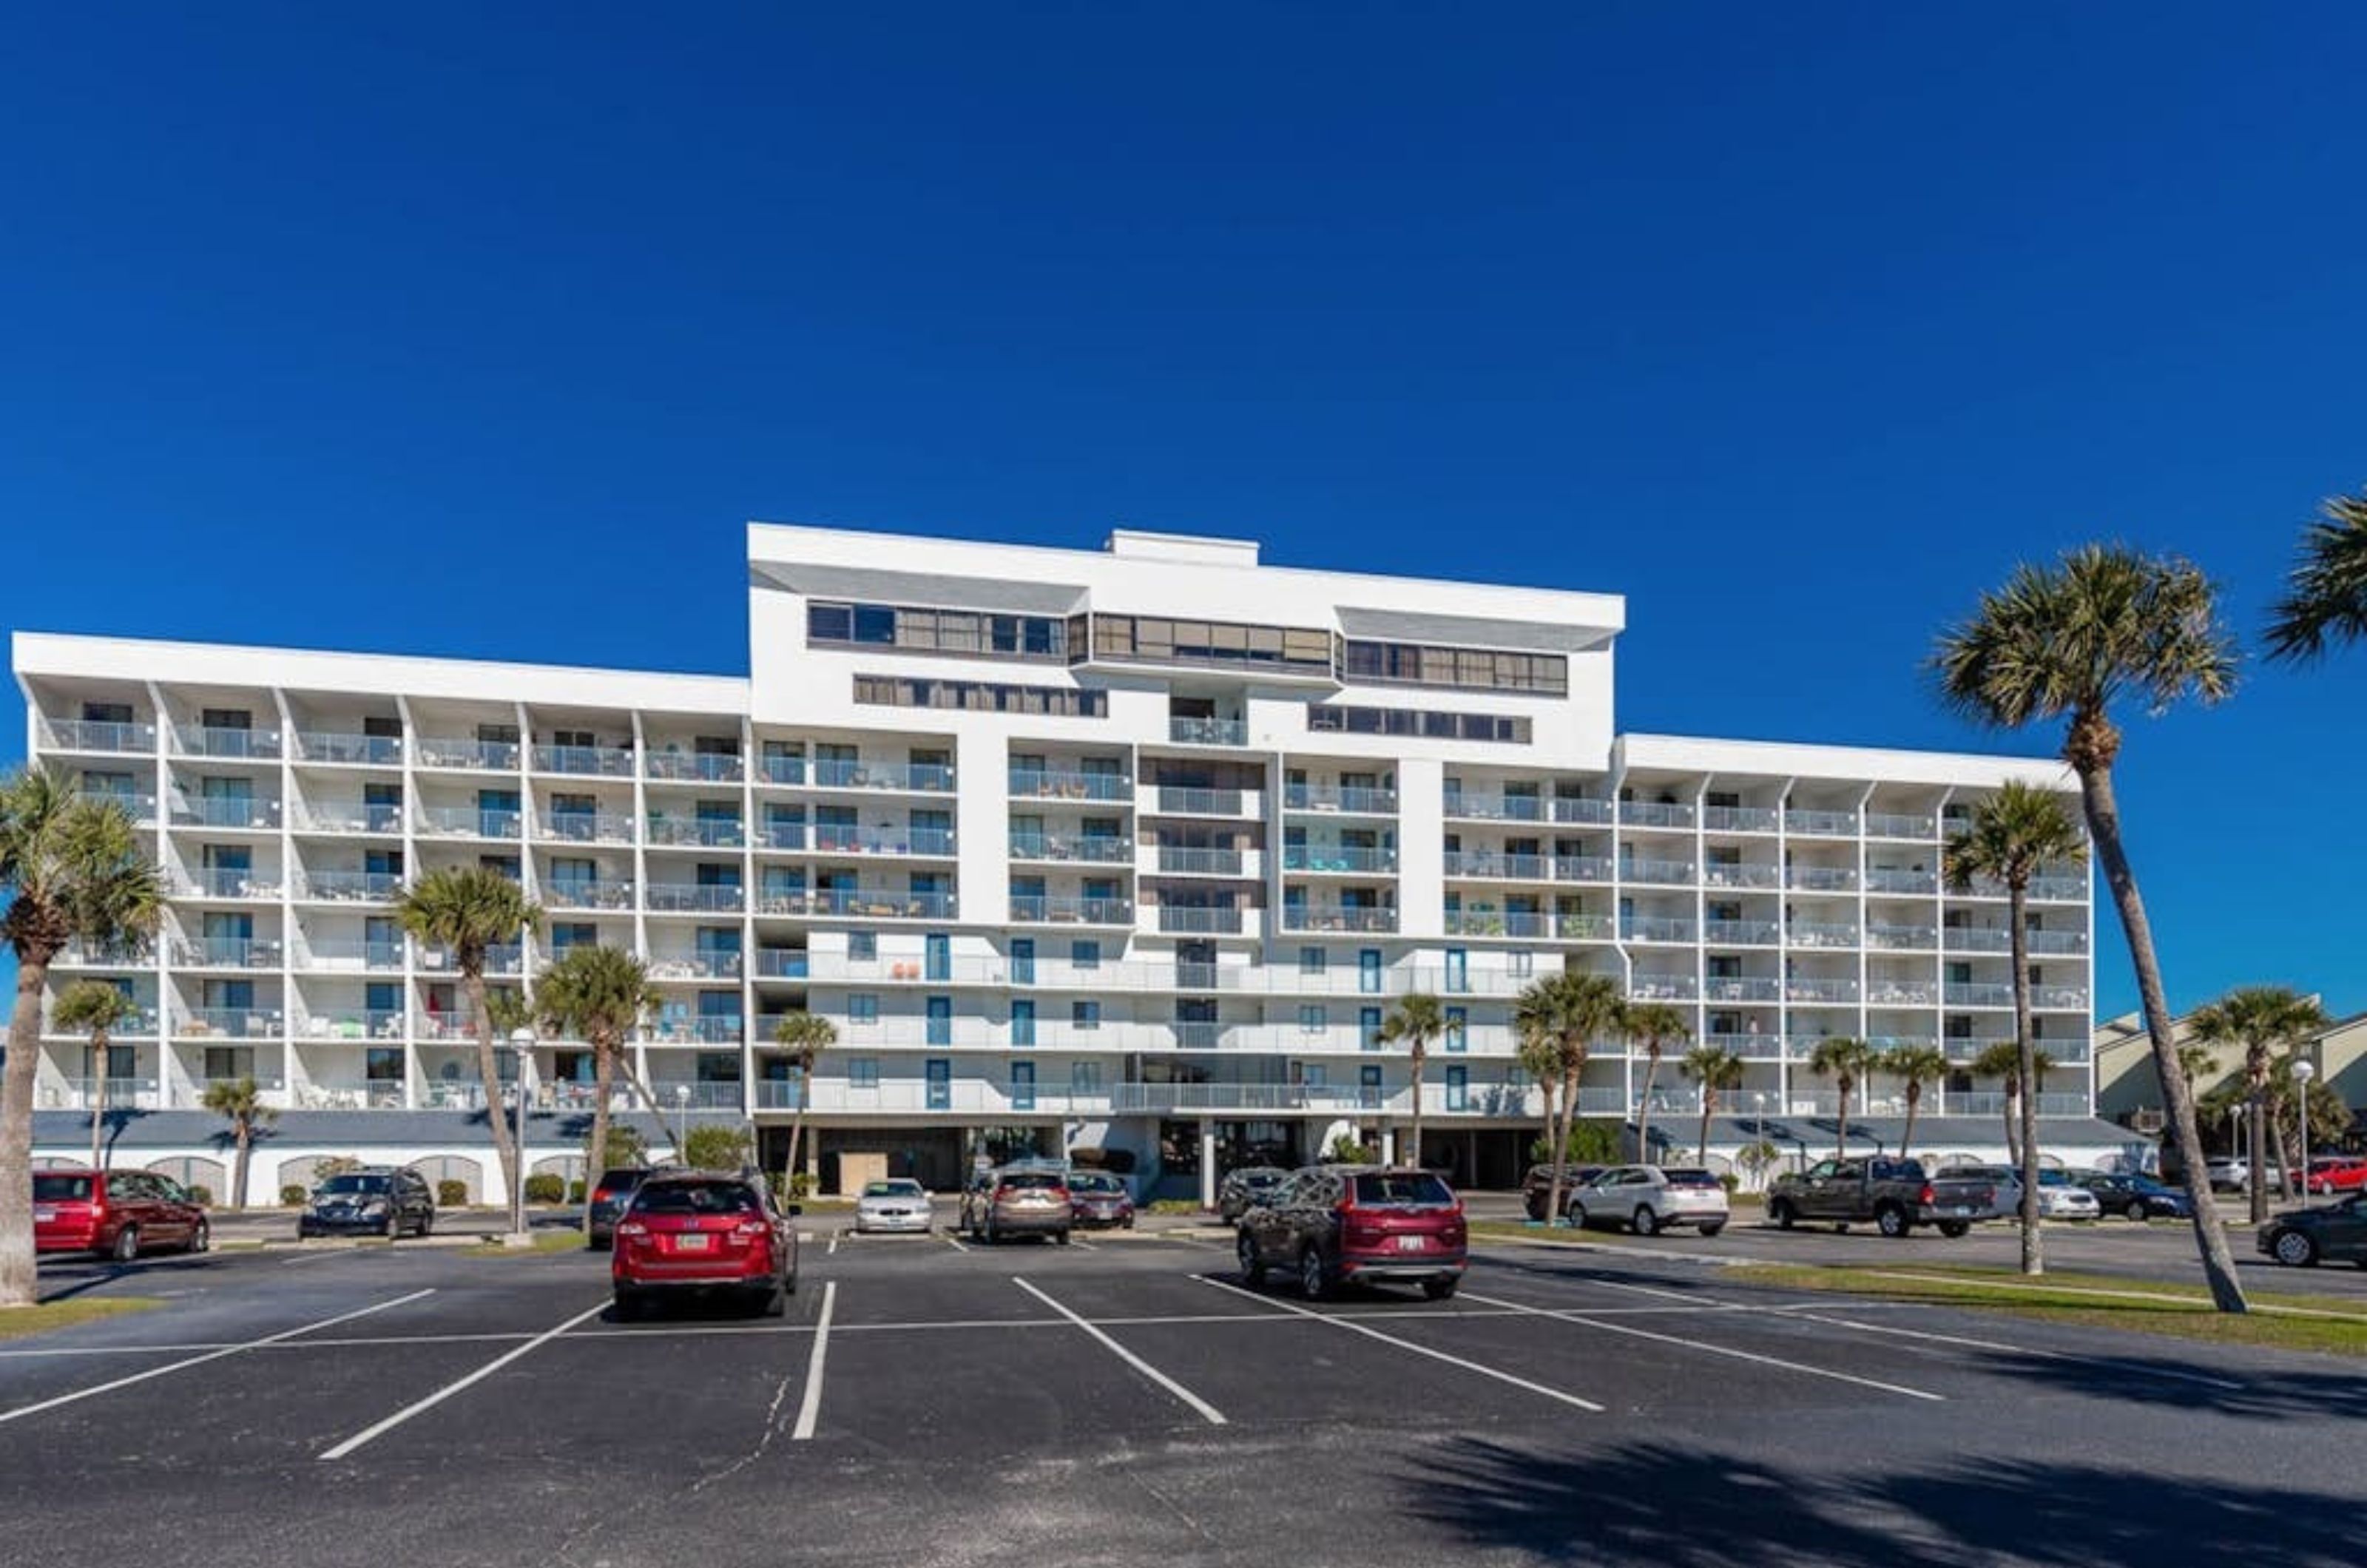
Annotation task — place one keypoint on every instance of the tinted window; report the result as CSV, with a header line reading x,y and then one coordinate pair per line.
x,y
891,1190
354,1184
1092,1184
697,1198
1402,1188
1690,1178
54,1189
629,1178
1029,1180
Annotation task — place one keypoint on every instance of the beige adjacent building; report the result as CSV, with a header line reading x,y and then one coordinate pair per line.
x,y
2128,1090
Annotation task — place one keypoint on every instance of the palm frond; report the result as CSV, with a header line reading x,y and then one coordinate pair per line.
x,y
2325,602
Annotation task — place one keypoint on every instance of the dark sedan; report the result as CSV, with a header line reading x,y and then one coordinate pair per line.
x,y
2136,1197
2331,1233
609,1198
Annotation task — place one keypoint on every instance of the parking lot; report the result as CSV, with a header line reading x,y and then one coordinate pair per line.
x,y
1125,1399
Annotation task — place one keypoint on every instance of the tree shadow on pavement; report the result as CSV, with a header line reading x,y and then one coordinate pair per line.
x,y
2181,1386
1680,1507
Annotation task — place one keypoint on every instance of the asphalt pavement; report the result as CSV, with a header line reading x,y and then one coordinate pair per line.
x,y
1127,1400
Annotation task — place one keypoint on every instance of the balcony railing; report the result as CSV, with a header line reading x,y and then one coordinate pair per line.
x,y
1739,874
84,1094
1092,848
349,887
1742,988
1584,868
1050,784
1337,917
877,903
98,735
697,832
1027,909
365,751
1179,861
227,953
1656,814
1901,993
1822,878
721,1031
1741,819
501,958
1812,991
1976,939
597,761
1897,825
782,963
1882,879
694,966
842,840
1665,873
1650,928
354,1023
451,751
2055,997
697,1096
585,828
1663,988
686,897
928,778
1821,824
578,893
139,807
1339,858
229,1023
1581,809
351,1094
1751,1044
260,812
1742,934
133,953
227,742
335,957
1488,863
1189,922
223,883
700,767
1209,731
472,821
781,769
1497,808
2058,941
1902,937
1978,995
780,835
2059,889
349,816
1358,800
1992,1102
1174,801
1822,933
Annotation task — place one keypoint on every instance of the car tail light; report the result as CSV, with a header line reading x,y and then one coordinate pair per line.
x,y
633,1228
752,1227
1928,1196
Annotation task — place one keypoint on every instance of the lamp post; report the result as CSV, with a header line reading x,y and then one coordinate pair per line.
x,y
681,1116
522,1042
2303,1071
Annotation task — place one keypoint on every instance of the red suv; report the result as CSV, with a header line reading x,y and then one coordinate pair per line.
x,y
703,1231
116,1213
1332,1223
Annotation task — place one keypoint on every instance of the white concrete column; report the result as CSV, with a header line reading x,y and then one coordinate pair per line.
x,y
1208,1164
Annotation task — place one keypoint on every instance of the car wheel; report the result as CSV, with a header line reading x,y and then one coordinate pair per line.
x,y
776,1300
127,1245
1061,1237
428,1222
1712,1228
202,1239
1438,1290
1646,1222
628,1306
393,1227
2296,1250
1892,1220
1781,1212
1253,1271
2137,1210
1312,1281
1575,1214
1952,1229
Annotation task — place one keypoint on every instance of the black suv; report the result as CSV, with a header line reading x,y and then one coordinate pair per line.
x,y
377,1200
608,1198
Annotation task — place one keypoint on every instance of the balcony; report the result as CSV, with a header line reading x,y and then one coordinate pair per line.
x,y
1822,933
347,886
1742,934
937,842
1497,808
353,750
1170,800
1882,879
688,897
96,735
140,808
470,821
451,751
1584,868
2057,942
220,883
1819,991
1897,938
353,1023
1742,988
1185,921
696,966
583,892
722,1030
1351,800
1663,872
349,957
686,1094
590,762
1489,865
1581,809
785,836
925,778
2060,889
781,768
1976,939
1977,994
256,813
1663,988
1029,909
349,816
1089,849
226,952
1180,861
501,958
696,767
228,1023
1751,1044
1209,731
227,743
782,963
1737,873
1030,784
1655,813
1992,1102
88,1094
1741,819
141,1025
1821,824
351,1094
133,953
871,903
1822,878
697,832
1334,858
1901,993
1893,1041
1337,917
585,828
1895,825
2058,998
1646,928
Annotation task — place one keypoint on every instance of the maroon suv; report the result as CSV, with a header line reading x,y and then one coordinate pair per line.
x,y
1334,1223
116,1213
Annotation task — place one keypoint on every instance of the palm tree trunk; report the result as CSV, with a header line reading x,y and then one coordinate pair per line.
x,y
489,1072
2012,1122
2210,1241
1560,1135
1709,1099
99,1111
2259,1119
1551,1090
1644,1109
2034,1245
241,1137
1840,1141
17,1285
650,1103
603,1077
1420,1059
1906,1137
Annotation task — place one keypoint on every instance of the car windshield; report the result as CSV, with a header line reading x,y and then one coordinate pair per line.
x,y
345,1184
891,1190
1402,1188
697,1197
1031,1180
48,1188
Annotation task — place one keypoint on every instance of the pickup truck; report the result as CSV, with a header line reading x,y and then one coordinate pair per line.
x,y
1893,1195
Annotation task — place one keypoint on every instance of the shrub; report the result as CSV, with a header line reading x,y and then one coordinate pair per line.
x,y
1591,1142
545,1187
625,1147
713,1147
1175,1206
1348,1149
292,1196
575,1193
1731,1182
451,1193
204,1195
800,1185
335,1165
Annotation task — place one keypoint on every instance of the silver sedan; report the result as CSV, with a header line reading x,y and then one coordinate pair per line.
x,y
897,1205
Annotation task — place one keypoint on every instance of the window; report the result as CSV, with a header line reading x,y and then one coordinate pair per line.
x,y
1458,1088
1339,718
1085,955
1368,1027
1523,963
1458,969
980,697
1458,1021
1466,669
912,630
863,1072
1157,640
1311,960
862,947
1310,1017
1085,1015
862,1008
1022,1021
1084,1078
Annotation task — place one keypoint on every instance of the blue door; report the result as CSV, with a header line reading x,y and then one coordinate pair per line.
x,y
936,957
1368,1027
1368,1086
941,1021
1023,1085
940,1072
1022,1021
1458,1088
1458,969
1368,970
1458,1022
1022,961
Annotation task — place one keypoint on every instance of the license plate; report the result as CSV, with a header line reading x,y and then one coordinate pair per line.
x,y
1960,1209
1412,1243
45,1216
690,1241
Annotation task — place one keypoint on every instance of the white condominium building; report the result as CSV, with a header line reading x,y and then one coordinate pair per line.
x,y
1132,849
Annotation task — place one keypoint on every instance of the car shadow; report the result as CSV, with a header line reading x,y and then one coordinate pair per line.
x,y
1676,1507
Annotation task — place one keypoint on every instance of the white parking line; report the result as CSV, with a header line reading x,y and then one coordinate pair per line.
x,y
955,1242
371,1434
208,1356
833,1250
1579,1318
1480,1368
1207,1410
810,1407
1081,1241
2172,1373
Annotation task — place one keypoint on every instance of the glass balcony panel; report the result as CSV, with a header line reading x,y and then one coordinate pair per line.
x,y
93,735
371,751
451,751
1336,858
1209,731
1051,785
597,761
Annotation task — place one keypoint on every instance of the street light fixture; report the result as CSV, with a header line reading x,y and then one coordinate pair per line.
x,y
681,1117
2303,1071
522,1040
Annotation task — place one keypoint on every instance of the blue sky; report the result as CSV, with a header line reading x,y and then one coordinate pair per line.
x,y
479,331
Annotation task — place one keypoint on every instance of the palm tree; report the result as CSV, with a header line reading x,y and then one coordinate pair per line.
x,y
239,1102
2105,624
1656,1026
805,1036
1717,1070
1574,1009
2011,835
93,1008
1848,1063
69,868
2002,1060
1913,1066
2326,601
598,994
465,909
1540,1053
2261,1019
1415,1021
